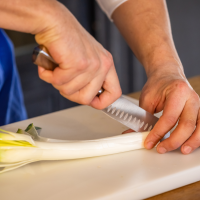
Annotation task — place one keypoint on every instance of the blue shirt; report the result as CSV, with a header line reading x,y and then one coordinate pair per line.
x,y
12,107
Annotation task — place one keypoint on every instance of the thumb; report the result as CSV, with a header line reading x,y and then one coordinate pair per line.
x,y
45,75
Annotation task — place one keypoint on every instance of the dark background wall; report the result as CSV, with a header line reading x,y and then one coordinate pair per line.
x,y
185,22
41,98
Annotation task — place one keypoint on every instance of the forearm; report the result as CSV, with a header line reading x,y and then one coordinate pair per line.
x,y
27,15
145,26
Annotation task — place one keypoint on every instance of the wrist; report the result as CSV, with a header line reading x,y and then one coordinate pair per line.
x,y
52,14
166,69
164,59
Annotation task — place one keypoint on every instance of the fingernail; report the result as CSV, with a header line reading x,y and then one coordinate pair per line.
x,y
162,150
149,145
187,149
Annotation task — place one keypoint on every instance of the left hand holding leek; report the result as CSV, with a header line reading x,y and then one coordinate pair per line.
x,y
172,93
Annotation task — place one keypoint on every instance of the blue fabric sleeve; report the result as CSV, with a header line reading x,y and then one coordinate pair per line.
x,y
12,107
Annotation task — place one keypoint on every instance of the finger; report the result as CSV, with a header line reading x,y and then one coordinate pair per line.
x,y
75,85
40,69
45,75
65,74
194,141
112,91
172,110
128,131
184,129
87,93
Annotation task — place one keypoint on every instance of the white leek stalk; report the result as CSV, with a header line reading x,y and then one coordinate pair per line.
x,y
23,147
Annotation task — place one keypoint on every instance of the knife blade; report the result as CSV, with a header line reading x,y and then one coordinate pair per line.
x,y
122,110
131,115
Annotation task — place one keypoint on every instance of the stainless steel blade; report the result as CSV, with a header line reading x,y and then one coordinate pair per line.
x,y
131,115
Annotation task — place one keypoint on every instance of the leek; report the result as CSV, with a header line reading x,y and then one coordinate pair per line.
x,y
26,146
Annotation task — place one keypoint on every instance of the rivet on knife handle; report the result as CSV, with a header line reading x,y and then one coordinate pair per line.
x,y
42,58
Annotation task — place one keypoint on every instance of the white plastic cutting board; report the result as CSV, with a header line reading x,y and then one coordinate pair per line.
x,y
126,176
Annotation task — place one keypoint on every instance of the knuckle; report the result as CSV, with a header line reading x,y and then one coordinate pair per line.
x,y
107,62
174,145
195,96
181,85
157,135
189,123
171,120
197,141
66,91
95,64
56,81
85,101
193,142
82,64
110,57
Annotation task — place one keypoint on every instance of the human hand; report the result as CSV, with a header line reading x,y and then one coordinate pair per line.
x,y
84,65
172,93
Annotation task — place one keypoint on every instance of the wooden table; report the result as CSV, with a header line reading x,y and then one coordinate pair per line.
x,y
189,192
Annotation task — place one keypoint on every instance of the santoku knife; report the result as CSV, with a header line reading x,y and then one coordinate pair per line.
x,y
122,110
